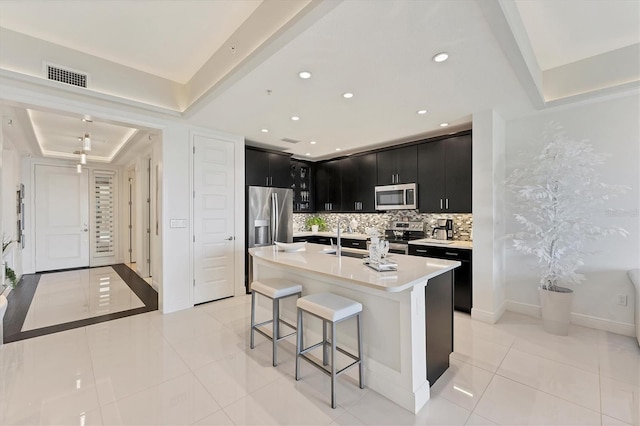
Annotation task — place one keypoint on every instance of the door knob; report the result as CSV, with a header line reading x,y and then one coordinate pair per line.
x,y
85,230
229,239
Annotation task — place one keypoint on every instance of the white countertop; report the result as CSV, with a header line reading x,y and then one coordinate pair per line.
x,y
468,245
348,235
412,270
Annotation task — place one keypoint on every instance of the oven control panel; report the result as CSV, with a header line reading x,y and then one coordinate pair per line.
x,y
406,226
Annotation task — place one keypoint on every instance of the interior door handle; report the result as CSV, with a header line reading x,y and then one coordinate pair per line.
x,y
230,238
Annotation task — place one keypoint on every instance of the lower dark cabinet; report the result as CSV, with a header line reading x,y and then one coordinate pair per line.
x,y
439,324
463,285
314,239
351,243
346,242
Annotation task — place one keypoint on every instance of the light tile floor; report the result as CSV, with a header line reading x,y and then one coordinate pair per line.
x,y
68,296
195,367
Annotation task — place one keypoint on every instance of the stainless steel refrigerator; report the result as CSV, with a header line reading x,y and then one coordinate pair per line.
x,y
269,219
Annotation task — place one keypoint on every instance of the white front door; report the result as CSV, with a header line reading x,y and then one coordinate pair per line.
x,y
61,217
213,218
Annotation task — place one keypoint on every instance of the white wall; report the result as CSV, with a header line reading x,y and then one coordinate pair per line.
x,y
613,127
10,171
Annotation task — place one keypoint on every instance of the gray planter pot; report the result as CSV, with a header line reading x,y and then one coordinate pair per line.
x,y
556,310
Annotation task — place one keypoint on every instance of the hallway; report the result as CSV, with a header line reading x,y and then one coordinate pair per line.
x,y
46,303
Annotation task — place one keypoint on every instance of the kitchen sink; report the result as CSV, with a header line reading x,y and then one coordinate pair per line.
x,y
347,254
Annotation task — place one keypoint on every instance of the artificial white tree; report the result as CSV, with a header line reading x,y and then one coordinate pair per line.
x,y
558,198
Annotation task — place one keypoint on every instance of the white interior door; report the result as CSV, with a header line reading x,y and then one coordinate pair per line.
x,y
213,218
61,217
133,229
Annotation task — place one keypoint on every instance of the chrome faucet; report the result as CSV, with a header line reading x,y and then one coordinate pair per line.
x,y
339,246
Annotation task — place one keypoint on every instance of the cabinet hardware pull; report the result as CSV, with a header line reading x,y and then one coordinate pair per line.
x,y
447,204
266,181
440,203
450,254
271,180
421,251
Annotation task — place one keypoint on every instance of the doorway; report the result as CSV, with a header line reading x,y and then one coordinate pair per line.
x,y
62,219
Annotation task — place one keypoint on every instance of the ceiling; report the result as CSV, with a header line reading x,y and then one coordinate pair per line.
x,y
242,58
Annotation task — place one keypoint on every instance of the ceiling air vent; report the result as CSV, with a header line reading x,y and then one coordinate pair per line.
x,y
289,140
66,76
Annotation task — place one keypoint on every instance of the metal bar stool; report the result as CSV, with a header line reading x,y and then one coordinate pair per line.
x,y
274,289
331,309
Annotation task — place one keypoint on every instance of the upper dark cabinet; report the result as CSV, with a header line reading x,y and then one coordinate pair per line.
x,y
263,168
328,190
302,178
399,165
444,175
358,183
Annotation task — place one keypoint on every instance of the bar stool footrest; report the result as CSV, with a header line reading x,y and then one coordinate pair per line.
x,y
323,369
270,336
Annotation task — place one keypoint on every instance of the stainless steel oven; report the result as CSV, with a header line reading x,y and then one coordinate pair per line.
x,y
400,233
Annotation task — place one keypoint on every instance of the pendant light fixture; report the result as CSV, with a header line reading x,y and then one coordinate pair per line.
x,y
79,168
86,138
83,158
86,142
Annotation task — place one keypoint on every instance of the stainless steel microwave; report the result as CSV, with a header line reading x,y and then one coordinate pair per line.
x,y
397,197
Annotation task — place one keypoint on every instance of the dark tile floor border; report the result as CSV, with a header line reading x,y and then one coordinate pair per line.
x,y
21,297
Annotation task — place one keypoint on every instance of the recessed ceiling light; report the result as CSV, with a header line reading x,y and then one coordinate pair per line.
x,y
347,95
304,74
295,118
441,57
308,154
421,111
313,142
264,130
444,124
338,149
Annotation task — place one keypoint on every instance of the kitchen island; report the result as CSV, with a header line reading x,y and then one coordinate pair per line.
x,y
407,314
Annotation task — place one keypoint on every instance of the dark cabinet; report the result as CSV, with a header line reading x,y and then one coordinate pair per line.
x,y
328,186
352,243
264,168
314,239
438,325
444,175
399,165
301,182
358,181
345,242
463,286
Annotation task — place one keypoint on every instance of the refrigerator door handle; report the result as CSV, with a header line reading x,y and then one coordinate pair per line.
x,y
275,216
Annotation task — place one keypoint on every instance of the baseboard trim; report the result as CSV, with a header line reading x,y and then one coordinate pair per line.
x,y
488,316
604,324
589,321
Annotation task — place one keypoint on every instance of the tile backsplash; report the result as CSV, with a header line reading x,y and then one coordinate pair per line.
x,y
462,223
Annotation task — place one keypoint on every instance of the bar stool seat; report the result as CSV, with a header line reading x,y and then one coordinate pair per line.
x,y
331,309
329,306
274,289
